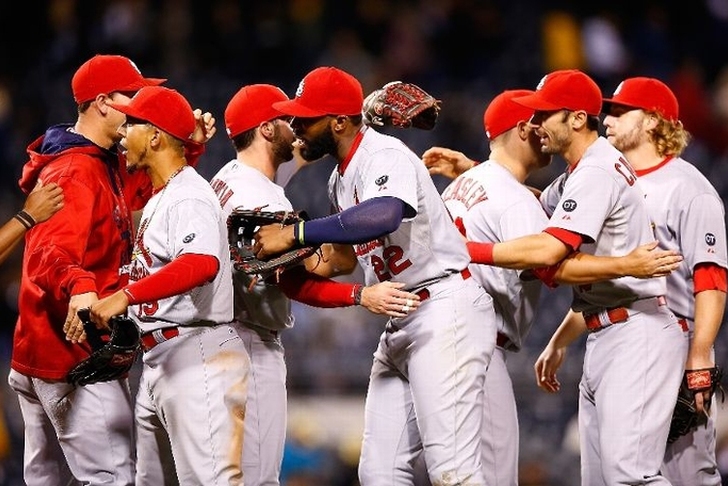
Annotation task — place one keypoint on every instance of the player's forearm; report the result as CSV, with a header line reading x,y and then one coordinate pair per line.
x,y
572,326
709,307
538,250
314,290
581,268
10,235
362,223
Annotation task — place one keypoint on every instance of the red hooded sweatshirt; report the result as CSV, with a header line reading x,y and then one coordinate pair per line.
x,y
82,248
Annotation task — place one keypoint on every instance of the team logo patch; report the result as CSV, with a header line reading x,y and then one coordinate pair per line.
x,y
710,239
188,238
301,87
569,205
382,180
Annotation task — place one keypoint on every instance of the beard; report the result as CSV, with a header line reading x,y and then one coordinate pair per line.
x,y
320,146
282,146
627,141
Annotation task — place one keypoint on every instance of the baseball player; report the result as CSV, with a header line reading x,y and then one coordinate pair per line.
x,y
426,382
642,121
636,348
193,383
263,140
42,203
68,262
492,203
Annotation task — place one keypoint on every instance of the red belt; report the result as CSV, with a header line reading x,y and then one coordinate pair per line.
x,y
424,294
151,339
615,315
683,324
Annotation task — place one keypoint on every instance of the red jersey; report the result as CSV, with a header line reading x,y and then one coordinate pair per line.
x,y
80,249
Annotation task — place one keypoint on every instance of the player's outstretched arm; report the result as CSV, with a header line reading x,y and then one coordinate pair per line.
x,y
446,162
386,298
645,261
551,358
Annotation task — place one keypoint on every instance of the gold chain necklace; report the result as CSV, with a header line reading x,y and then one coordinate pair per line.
x,y
138,247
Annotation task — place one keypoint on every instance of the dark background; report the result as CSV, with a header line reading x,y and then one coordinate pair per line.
x,y
462,51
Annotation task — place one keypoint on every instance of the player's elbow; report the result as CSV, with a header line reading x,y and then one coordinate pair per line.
x,y
548,258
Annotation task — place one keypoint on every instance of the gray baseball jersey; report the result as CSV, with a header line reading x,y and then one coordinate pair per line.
x,y
184,217
689,217
602,201
240,186
426,246
494,206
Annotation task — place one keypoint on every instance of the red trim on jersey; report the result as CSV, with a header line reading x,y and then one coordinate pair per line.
x,y
569,238
315,290
354,145
182,274
480,252
642,172
709,276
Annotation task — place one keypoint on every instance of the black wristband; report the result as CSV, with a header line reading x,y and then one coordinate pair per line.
x,y
25,219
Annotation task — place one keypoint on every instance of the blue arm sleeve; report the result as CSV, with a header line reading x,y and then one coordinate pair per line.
x,y
359,224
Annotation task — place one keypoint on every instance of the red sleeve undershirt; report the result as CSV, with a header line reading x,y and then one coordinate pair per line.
x,y
709,276
177,277
315,290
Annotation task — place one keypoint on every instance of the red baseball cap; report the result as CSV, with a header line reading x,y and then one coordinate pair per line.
x,y
251,106
164,108
105,73
503,113
325,91
648,94
568,89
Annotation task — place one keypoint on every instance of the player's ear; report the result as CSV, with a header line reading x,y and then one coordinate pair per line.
x,y
577,119
524,130
267,129
340,123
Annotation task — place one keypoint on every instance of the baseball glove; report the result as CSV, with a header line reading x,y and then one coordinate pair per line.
x,y
685,417
402,105
242,225
112,353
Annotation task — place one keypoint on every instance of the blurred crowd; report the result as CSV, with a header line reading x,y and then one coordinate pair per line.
x,y
462,51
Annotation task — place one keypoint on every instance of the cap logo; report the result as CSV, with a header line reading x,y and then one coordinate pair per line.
x,y
382,180
301,86
619,88
542,82
710,239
